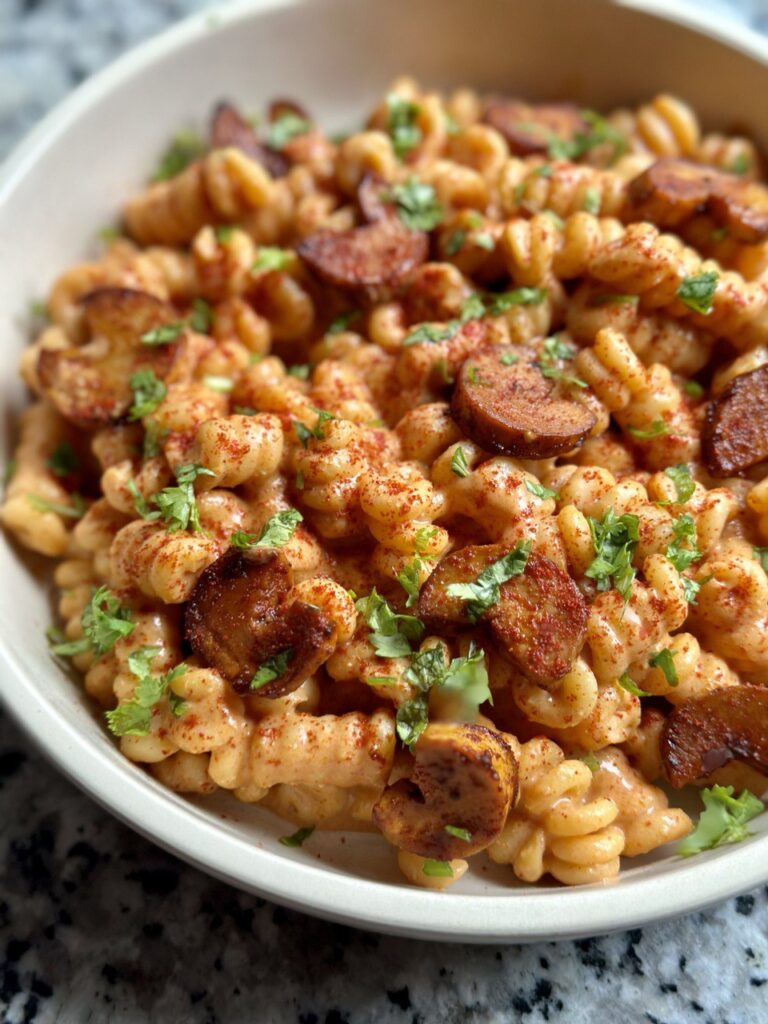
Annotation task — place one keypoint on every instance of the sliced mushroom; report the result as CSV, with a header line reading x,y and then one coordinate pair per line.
x,y
703,734
540,617
237,619
741,207
230,128
735,433
515,409
464,778
90,384
437,609
670,191
530,128
382,253
541,620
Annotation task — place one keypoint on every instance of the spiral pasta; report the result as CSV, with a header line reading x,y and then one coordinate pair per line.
x,y
388,481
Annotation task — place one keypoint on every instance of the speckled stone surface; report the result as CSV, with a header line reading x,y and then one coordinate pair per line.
x,y
98,925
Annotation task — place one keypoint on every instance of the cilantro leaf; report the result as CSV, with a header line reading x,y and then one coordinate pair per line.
x,y
657,429
460,833
275,533
592,201
455,242
614,539
556,350
468,676
342,321
201,317
539,490
63,460
271,257
517,297
391,633
427,669
299,370
286,127
691,587
409,579
405,133
104,621
416,204
684,483
74,511
485,591
164,334
271,669
437,868
684,531
723,820
148,393
627,683
693,389
134,717
177,505
303,432
665,661
431,334
698,292
761,554
459,463
508,359
590,761
411,720
185,148
298,837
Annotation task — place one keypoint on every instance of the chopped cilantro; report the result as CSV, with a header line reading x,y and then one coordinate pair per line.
x,y
723,820
63,460
177,506
276,532
409,579
698,292
657,429
271,669
665,661
437,868
590,761
627,683
539,490
682,551
693,389
508,358
163,335
201,317
154,436
224,232
148,393
614,539
271,257
391,633
455,242
761,554
299,370
484,240
680,476
740,165
459,463
460,833
411,720
342,321
133,718
185,148
592,201
298,837
405,133
304,433
516,297
417,204
691,588
431,334
74,511
555,350
104,621
484,592
286,127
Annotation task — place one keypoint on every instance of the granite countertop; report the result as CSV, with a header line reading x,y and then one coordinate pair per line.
x,y
96,924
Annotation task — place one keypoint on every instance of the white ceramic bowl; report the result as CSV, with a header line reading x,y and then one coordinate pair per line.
x,y
69,178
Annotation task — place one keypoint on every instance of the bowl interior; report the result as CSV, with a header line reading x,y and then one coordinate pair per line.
x,y
68,180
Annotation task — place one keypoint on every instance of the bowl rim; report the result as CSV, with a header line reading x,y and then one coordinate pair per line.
x,y
194,835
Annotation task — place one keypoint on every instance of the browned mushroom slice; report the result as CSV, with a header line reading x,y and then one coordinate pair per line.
x,y
230,128
735,433
742,207
437,609
90,384
531,128
515,409
383,253
703,734
670,191
541,620
237,621
457,799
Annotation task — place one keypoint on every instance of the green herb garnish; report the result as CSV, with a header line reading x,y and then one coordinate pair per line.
x,y
484,592
723,820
